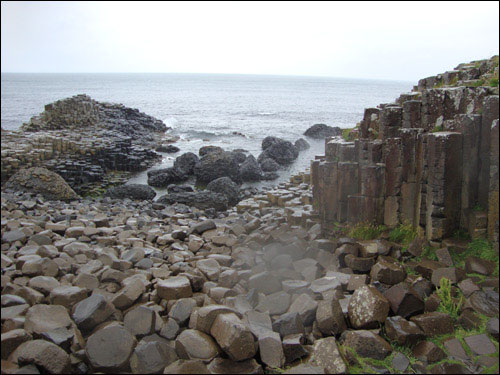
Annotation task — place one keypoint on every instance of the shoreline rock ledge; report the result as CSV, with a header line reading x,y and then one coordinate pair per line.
x,y
83,140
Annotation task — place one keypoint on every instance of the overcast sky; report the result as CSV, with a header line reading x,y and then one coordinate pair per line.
x,y
398,41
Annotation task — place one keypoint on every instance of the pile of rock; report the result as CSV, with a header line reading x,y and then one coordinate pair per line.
x,y
103,285
83,140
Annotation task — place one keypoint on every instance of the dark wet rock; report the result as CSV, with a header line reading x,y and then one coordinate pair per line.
x,y
320,131
387,272
217,164
293,347
131,191
92,311
469,319
448,368
169,149
281,151
225,186
428,352
48,357
434,323
250,170
268,165
400,362
404,300
269,141
186,162
269,176
200,199
367,344
302,144
403,331
151,357
110,348
38,180
485,302
209,149
239,156
330,318
480,344
173,188
455,349
166,176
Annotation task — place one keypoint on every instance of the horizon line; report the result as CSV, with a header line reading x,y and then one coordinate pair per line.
x,y
234,74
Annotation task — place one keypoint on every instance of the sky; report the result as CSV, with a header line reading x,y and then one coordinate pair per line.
x,y
374,40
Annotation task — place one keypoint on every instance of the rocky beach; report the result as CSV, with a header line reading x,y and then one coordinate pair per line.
x,y
380,258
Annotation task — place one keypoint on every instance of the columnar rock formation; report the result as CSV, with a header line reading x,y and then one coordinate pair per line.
x,y
430,159
82,139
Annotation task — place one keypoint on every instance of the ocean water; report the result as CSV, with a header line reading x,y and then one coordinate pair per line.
x,y
230,111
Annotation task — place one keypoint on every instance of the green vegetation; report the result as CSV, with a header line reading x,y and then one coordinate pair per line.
x,y
403,234
461,234
448,305
436,129
366,231
439,84
478,247
429,253
494,82
477,208
454,81
347,135
477,83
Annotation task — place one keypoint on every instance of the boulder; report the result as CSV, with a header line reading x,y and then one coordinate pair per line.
x,y
321,131
404,300
233,337
186,162
109,348
166,176
132,191
209,149
330,318
174,288
250,169
326,355
403,331
38,180
200,199
217,164
173,188
48,357
268,165
301,144
367,308
92,311
44,318
194,344
269,141
367,344
281,151
151,357
434,323
225,186
169,149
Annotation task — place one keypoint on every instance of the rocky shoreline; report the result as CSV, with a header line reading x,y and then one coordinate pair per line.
x,y
228,281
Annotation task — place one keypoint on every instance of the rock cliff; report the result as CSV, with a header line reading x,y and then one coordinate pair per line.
x,y
430,159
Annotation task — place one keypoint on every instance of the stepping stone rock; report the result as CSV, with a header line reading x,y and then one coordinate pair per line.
x,y
44,318
288,324
387,272
451,273
330,318
492,327
293,347
404,300
130,292
271,349
468,287
12,339
233,337
140,321
92,311
67,296
110,348
428,352
181,310
194,344
367,344
402,331
434,323
227,366
325,354
206,316
480,344
480,266
45,355
454,349
400,362
367,307
485,302
151,357
174,288
359,264
43,284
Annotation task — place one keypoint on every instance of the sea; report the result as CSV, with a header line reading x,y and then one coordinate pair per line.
x,y
227,110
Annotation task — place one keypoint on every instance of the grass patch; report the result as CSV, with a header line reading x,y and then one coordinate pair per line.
x,y
481,248
494,82
436,129
403,234
447,304
347,135
478,83
364,231
429,253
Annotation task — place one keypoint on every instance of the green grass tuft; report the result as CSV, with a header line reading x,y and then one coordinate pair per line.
x,y
447,304
403,234
364,231
437,129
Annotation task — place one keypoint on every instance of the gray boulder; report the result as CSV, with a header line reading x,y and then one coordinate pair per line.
x,y
179,188
39,180
216,164
302,144
132,191
209,149
321,131
281,151
186,162
269,141
238,156
169,149
225,186
199,199
250,170
268,165
166,176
